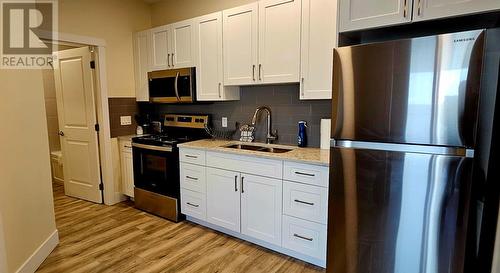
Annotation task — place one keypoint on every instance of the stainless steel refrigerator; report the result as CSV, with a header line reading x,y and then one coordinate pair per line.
x,y
404,153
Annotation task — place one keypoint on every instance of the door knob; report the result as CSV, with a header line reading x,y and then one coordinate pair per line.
x,y
61,133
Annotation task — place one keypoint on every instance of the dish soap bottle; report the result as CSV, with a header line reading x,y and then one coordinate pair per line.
x,y
302,136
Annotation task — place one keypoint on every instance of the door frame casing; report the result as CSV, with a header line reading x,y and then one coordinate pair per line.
x,y
111,194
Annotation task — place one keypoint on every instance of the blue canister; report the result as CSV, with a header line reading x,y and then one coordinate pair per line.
x,y
302,137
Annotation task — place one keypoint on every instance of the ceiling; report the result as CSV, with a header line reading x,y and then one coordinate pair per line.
x,y
152,1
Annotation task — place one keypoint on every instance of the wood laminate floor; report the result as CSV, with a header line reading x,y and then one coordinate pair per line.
x,y
98,238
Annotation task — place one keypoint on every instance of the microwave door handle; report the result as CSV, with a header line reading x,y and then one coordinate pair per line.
x,y
176,86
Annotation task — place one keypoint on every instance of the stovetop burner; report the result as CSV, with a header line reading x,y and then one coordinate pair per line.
x,y
177,129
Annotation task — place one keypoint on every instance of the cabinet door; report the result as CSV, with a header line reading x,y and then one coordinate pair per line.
x,y
364,14
127,173
319,38
261,208
433,9
160,58
240,44
182,45
223,199
209,73
141,64
279,41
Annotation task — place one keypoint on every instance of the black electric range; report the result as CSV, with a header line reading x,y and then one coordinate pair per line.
x,y
156,164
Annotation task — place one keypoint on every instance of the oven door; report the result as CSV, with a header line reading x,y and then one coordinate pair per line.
x,y
172,86
156,169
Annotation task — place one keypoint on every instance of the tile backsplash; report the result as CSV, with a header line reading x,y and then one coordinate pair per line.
x,y
122,107
287,111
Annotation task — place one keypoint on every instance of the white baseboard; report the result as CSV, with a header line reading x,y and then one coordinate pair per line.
x,y
42,252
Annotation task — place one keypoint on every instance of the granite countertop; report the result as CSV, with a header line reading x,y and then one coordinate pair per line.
x,y
314,156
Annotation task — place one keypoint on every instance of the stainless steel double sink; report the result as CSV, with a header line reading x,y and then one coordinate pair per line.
x,y
258,148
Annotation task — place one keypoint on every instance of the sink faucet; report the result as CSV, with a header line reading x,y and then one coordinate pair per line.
x,y
271,135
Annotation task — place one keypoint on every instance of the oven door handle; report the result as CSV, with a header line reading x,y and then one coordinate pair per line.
x,y
152,147
176,86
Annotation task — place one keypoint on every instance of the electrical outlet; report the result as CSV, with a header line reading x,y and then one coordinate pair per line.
x,y
224,122
125,120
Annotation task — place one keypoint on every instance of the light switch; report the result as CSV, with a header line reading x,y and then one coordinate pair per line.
x,y
224,122
125,120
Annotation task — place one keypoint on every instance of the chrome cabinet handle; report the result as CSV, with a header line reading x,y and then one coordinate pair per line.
x,y
306,174
419,9
235,183
302,86
168,60
260,69
242,187
302,237
405,9
61,133
191,156
253,72
220,96
192,205
176,86
190,177
304,202
126,146
173,60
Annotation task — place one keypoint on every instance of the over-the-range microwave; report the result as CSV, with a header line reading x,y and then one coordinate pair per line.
x,y
172,86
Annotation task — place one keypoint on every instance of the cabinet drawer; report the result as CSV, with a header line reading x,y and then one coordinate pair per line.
x,y
193,204
193,177
125,146
304,237
305,201
192,156
246,164
305,173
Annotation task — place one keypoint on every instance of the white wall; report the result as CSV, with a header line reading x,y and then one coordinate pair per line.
x,y
3,257
26,202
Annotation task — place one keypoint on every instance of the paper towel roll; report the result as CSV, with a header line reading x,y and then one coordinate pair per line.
x,y
326,125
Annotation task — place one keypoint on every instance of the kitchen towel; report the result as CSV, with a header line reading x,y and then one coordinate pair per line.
x,y
326,125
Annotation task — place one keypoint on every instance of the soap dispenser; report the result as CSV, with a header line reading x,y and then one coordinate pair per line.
x,y
302,136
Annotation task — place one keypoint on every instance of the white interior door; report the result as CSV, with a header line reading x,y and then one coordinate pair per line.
x,y
77,120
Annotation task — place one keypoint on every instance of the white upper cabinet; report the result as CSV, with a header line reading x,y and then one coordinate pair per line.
x,y
262,43
223,198
160,57
240,44
181,47
318,39
261,208
142,44
364,14
433,9
210,67
279,41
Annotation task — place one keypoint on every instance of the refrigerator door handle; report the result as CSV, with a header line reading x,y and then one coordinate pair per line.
x,y
406,148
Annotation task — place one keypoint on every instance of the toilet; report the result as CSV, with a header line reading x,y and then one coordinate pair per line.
x,y
57,167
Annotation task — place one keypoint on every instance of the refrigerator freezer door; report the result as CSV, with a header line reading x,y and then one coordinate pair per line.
x,y
419,91
394,212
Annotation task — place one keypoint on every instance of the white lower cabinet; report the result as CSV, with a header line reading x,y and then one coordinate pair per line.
x,y
247,197
261,202
304,237
223,198
127,168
